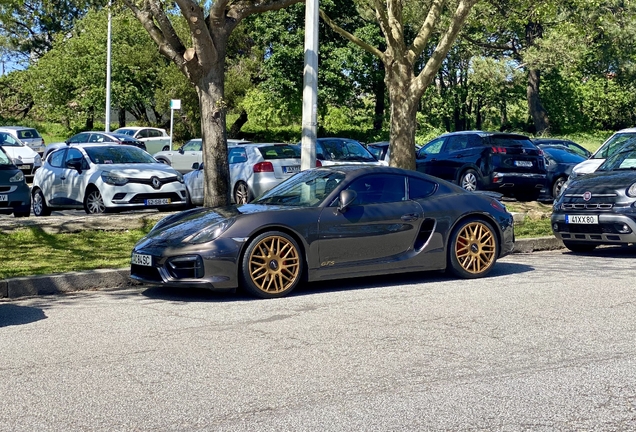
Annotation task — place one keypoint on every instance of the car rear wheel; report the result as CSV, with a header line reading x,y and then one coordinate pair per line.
x,y
468,180
473,249
579,247
39,204
557,186
93,202
241,193
272,265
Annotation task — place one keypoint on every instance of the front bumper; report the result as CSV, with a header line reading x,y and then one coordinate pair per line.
x,y
135,195
15,198
611,229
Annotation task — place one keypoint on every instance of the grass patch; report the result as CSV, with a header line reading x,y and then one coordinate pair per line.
x,y
531,228
31,251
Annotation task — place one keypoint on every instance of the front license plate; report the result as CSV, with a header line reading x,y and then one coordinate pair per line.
x,y
24,167
525,164
585,220
157,201
141,259
291,169
4,197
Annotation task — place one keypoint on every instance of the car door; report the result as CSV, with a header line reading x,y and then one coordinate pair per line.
x,y
73,180
187,155
428,158
375,232
239,168
52,184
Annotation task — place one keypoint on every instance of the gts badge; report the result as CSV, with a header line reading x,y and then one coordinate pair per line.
x,y
327,263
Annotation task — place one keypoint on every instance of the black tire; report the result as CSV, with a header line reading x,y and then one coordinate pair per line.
x,y
579,247
469,180
93,201
241,193
472,249
272,265
22,213
39,204
165,148
164,161
557,186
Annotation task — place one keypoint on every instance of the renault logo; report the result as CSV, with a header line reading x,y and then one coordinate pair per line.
x,y
156,183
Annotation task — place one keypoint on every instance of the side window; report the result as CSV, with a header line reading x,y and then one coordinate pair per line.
x,y
475,141
434,147
420,188
456,143
56,159
374,189
154,133
237,155
192,146
95,138
74,155
79,138
144,133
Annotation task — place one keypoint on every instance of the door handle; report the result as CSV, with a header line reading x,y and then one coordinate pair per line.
x,y
409,217
62,178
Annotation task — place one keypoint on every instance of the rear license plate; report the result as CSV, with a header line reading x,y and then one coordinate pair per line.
x,y
291,169
22,167
141,259
525,164
157,201
4,197
585,220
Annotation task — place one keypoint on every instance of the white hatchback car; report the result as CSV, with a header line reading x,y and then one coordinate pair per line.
x,y
187,155
27,136
608,148
23,156
156,139
105,177
254,169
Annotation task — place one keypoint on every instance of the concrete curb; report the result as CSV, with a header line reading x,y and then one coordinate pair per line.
x,y
120,278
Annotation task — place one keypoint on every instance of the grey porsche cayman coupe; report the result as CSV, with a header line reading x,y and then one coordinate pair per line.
x,y
328,223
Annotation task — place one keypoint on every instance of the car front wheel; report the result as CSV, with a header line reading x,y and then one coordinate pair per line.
x,y
272,265
472,249
39,204
93,202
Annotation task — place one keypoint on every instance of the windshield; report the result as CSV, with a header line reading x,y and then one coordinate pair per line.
x,y
623,159
344,150
118,154
613,144
7,140
305,189
4,159
375,151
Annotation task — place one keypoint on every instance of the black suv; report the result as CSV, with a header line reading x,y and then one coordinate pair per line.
x,y
507,163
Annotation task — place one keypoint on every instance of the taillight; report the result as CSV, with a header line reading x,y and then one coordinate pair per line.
x,y
263,167
318,163
498,149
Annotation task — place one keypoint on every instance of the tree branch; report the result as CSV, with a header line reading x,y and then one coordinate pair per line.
x,y
420,41
201,33
351,38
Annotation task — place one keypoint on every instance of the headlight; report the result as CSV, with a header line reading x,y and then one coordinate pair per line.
x,y
209,233
631,191
19,177
180,177
37,160
113,179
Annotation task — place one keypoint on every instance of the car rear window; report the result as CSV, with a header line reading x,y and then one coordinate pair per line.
x,y
28,134
511,141
279,152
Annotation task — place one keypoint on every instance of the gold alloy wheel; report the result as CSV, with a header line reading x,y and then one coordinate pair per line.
x,y
475,247
274,264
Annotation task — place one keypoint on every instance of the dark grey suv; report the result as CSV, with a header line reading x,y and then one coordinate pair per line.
x,y
507,163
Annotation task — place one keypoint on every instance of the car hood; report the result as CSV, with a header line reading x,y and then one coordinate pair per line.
x,y
23,152
588,166
140,170
603,180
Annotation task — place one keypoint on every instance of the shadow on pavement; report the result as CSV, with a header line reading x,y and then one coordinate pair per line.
x,y
618,251
18,315
415,278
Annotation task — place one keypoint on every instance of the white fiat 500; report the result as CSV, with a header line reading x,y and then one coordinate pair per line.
x,y
105,177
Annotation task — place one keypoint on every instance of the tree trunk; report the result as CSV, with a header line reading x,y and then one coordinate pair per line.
x,y
403,112
379,88
217,171
90,119
235,129
121,116
538,113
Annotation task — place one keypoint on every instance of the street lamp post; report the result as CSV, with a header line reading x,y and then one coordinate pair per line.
x,y
107,120
310,90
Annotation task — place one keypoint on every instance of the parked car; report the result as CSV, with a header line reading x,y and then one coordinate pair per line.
x,y
599,208
559,142
507,163
381,151
559,162
340,151
254,169
328,223
155,139
15,196
96,137
187,155
104,177
27,160
608,148
27,136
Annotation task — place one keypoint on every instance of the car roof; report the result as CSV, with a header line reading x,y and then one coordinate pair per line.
x,y
15,127
484,133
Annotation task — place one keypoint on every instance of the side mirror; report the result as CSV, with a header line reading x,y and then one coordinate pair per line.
x,y
195,166
75,164
181,150
347,197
